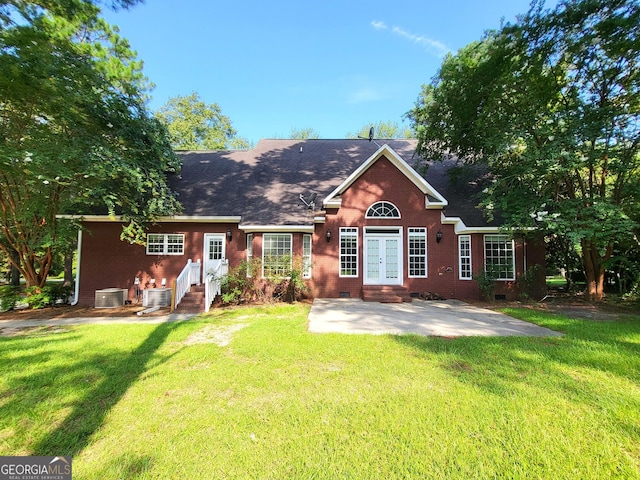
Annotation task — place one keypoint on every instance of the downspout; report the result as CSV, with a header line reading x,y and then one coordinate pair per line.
x,y
76,295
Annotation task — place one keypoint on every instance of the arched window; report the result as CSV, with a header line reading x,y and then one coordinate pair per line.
x,y
383,210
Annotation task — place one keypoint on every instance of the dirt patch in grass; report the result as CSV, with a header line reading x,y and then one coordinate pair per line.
x,y
68,311
573,306
220,335
31,331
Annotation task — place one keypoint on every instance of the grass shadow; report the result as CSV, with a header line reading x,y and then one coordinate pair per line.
x,y
87,415
574,366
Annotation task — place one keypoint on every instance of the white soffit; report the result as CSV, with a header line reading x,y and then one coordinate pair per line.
x,y
276,228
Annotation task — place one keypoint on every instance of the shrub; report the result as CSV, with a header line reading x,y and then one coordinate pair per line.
x,y
486,282
241,283
292,287
9,295
244,283
527,282
40,297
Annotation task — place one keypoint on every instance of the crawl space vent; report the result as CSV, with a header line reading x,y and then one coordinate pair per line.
x,y
111,297
156,297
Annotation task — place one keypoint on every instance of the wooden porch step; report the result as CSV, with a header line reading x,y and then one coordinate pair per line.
x,y
193,301
385,294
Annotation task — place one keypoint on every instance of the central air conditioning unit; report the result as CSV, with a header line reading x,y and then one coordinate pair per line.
x,y
111,297
156,297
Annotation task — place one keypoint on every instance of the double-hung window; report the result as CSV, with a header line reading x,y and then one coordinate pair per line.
x,y
165,244
417,252
306,256
464,257
498,257
276,254
249,253
348,251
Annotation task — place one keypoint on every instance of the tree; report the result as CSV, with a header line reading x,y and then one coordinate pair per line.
x,y
381,129
195,125
75,135
552,105
303,133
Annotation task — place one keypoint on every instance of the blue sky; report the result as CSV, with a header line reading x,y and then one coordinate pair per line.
x,y
331,65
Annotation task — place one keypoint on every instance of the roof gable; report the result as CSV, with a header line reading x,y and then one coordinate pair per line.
x,y
433,199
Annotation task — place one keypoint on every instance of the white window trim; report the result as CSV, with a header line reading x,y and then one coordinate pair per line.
x,y
460,257
350,232
264,235
382,201
249,253
165,243
306,260
513,255
422,233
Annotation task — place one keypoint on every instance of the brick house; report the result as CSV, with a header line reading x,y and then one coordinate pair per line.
x,y
363,220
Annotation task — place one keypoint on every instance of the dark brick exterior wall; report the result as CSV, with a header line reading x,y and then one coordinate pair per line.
x,y
383,181
106,261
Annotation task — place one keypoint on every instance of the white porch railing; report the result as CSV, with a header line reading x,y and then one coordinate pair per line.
x,y
212,283
190,275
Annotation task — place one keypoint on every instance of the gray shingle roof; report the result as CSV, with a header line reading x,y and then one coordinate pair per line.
x,y
263,184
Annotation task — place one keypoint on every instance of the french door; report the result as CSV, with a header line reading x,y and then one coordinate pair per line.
x,y
382,256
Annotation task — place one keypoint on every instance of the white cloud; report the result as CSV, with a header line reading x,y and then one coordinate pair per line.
x,y
432,46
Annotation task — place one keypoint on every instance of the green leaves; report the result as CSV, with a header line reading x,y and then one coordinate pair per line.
x,y
551,104
195,125
75,135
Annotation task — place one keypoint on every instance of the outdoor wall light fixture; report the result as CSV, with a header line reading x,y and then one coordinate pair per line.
x,y
328,235
164,282
438,236
229,236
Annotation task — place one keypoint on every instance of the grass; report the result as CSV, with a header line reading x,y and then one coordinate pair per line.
x,y
139,401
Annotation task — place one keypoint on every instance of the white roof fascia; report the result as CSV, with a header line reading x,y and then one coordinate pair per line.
x,y
167,219
333,203
277,228
461,229
401,165
434,205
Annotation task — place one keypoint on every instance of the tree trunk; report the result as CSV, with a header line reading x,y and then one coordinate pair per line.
x,y
14,273
593,270
68,267
34,269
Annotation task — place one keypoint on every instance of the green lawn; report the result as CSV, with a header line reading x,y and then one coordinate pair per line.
x,y
143,401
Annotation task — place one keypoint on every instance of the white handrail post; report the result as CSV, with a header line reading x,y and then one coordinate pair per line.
x,y
195,273
213,284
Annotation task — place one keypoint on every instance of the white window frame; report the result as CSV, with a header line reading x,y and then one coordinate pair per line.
x,y
306,255
464,254
352,234
382,204
419,233
249,253
507,246
276,273
167,247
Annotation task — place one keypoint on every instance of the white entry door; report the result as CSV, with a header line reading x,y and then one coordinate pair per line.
x,y
383,258
214,251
